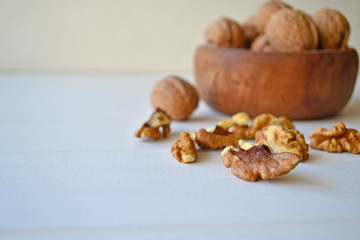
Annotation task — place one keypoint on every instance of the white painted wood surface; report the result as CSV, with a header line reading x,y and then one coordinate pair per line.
x,y
70,168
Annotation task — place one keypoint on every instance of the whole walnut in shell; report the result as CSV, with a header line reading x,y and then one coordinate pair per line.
x,y
175,96
291,31
225,33
263,14
333,29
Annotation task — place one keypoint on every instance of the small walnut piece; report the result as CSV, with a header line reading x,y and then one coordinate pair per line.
x,y
265,119
151,129
220,136
336,139
258,162
281,140
175,96
217,137
291,31
225,33
241,119
184,150
333,29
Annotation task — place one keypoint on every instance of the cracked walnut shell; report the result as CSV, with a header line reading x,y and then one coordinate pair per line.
x,y
281,140
258,162
175,96
225,33
291,31
337,139
333,29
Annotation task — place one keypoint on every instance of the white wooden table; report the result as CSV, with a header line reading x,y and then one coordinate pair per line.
x,y
70,168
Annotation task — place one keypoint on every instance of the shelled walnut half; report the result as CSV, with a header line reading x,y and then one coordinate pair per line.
x,y
151,128
281,140
252,163
337,139
225,133
184,150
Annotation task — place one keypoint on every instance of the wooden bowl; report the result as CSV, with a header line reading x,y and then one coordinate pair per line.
x,y
300,85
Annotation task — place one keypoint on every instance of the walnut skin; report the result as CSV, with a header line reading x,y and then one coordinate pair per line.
x,y
225,33
175,96
258,162
151,129
264,13
291,31
184,150
333,29
281,140
336,139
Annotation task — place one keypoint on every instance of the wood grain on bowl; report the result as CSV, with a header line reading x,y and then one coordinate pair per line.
x,y
300,85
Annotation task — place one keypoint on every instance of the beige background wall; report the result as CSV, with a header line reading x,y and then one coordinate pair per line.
x,y
123,35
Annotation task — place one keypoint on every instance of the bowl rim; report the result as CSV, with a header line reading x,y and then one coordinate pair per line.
x,y
307,52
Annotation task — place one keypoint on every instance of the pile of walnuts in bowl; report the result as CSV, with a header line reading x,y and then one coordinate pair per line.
x,y
277,26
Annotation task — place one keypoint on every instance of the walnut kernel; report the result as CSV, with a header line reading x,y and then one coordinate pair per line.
x,y
337,139
258,162
151,128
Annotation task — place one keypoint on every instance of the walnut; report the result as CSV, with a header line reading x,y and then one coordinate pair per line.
x,y
281,140
264,13
291,31
184,150
336,139
216,138
265,119
250,31
261,43
225,133
333,29
258,162
151,129
228,132
175,96
241,119
225,33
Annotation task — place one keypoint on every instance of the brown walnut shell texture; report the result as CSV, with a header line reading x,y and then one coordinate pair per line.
x,y
264,13
250,31
291,31
333,28
261,43
175,96
225,33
